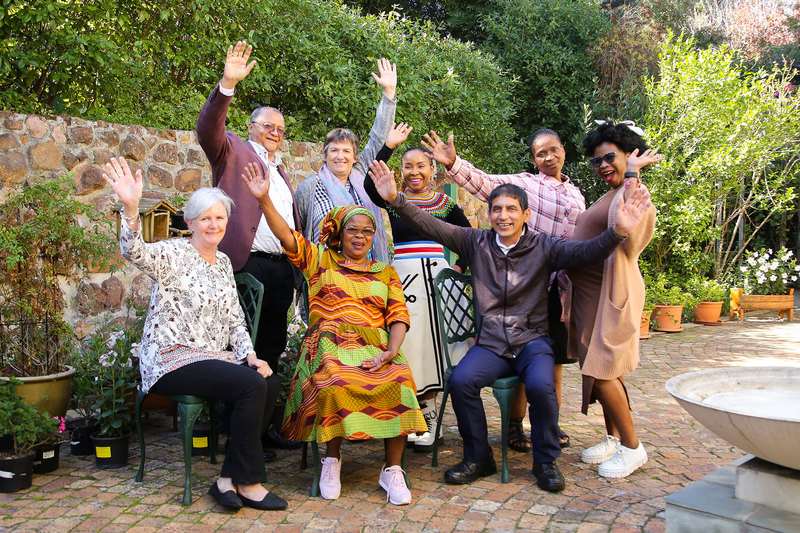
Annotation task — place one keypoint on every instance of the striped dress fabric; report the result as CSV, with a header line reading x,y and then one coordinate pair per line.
x,y
350,309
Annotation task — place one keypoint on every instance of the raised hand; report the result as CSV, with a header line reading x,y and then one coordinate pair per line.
x,y
127,186
443,153
236,66
630,211
386,77
637,162
384,180
258,184
398,135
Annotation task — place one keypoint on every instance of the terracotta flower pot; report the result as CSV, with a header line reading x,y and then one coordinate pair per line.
x,y
707,313
644,328
667,318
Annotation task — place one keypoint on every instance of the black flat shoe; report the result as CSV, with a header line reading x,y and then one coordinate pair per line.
x,y
548,476
517,440
269,503
465,472
228,499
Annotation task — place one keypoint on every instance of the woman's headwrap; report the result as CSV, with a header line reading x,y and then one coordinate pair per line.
x,y
330,231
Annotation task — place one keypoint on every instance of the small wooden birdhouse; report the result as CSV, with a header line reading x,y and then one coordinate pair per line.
x,y
154,217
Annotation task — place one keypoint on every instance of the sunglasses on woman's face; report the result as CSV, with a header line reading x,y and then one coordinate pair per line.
x,y
608,158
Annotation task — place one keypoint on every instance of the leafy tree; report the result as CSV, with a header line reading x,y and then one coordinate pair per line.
x,y
154,63
729,139
545,45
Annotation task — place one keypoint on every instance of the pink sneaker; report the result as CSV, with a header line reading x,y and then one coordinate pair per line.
x,y
330,484
393,481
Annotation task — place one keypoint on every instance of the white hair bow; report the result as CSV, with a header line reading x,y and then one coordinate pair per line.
x,y
631,125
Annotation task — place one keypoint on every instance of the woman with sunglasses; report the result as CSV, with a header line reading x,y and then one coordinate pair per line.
x,y
608,298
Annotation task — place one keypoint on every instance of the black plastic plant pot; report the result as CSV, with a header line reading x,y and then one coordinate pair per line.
x,y
16,473
111,452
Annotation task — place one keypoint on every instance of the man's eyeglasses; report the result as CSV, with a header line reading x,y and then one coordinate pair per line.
x,y
608,158
367,233
270,127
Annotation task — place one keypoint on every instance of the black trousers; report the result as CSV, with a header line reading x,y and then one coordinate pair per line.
x,y
250,400
277,275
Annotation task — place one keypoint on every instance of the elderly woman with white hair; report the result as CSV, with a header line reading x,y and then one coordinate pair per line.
x,y
195,340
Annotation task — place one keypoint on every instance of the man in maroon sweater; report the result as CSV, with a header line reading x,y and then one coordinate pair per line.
x,y
248,241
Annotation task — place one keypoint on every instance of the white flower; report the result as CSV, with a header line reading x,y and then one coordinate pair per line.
x,y
794,278
743,269
752,261
774,265
797,268
773,278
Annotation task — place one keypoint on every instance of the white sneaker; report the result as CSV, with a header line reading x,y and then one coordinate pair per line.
x,y
393,482
624,462
329,483
601,452
412,438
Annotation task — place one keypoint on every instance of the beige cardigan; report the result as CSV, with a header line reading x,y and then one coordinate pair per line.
x,y
614,347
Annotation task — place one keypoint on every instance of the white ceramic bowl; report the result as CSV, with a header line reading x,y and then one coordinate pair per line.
x,y
756,409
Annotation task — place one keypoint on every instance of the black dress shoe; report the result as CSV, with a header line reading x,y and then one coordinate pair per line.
x,y
466,472
548,476
273,439
269,455
269,503
228,499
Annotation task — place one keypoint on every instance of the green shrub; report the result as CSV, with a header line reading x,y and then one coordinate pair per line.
x,y
155,63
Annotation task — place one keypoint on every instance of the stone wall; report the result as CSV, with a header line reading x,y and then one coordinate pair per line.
x,y
172,163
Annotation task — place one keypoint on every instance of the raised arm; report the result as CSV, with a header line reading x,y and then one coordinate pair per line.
x,y
454,237
211,121
629,214
128,187
236,66
397,136
384,116
259,188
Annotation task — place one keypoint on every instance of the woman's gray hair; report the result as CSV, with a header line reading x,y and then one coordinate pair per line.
x,y
203,199
340,135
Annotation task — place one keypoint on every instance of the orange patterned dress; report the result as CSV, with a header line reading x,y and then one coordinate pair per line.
x,y
350,310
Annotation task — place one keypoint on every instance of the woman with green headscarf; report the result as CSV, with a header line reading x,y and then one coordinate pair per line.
x,y
351,381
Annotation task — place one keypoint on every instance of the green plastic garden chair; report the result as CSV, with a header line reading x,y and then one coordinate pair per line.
x,y
456,315
251,293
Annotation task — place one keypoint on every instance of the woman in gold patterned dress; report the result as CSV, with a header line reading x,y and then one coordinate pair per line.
x,y
351,380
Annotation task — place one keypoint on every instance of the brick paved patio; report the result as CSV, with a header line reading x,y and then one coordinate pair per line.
x,y
79,497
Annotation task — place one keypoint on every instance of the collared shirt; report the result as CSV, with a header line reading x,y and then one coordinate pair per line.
x,y
554,204
281,196
505,249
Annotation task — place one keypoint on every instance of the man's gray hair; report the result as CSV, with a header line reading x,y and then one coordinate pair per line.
x,y
263,109
204,199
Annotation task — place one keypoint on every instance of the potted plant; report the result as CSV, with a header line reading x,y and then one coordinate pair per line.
x,y
47,453
42,240
84,396
111,354
669,301
767,280
25,427
711,296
